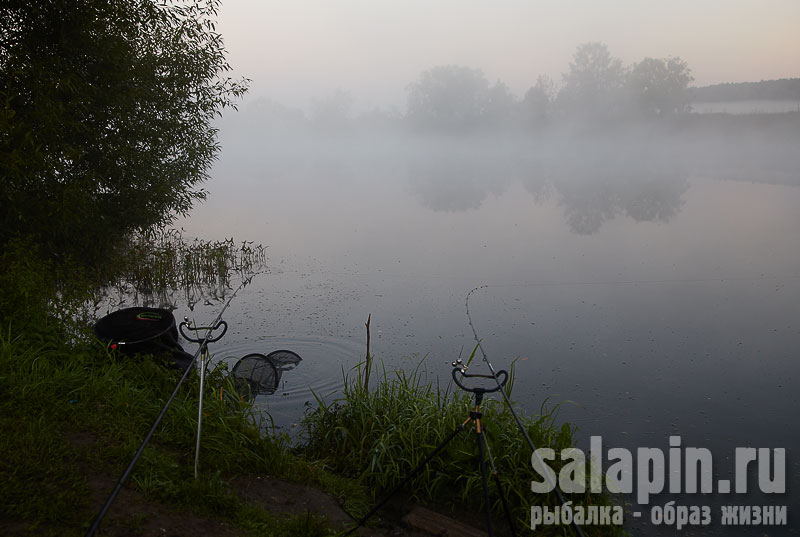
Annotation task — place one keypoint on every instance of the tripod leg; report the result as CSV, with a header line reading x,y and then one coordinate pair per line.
x,y
485,483
506,510
405,480
200,411
496,476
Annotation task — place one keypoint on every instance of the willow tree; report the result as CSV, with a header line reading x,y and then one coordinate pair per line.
x,y
106,119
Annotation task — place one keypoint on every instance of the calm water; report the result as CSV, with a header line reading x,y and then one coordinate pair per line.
x,y
656,292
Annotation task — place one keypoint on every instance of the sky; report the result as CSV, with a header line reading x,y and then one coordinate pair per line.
x,y
298,50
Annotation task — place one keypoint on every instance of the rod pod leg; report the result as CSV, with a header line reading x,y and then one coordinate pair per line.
x,y
485,481
499,487
406,479
200,412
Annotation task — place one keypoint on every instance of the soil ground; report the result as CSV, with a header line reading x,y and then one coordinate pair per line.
x,y
134,515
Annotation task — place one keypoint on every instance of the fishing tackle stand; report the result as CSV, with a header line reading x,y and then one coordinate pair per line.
x,y
459,374
204,356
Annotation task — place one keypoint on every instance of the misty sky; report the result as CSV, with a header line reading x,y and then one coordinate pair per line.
x,y
297,50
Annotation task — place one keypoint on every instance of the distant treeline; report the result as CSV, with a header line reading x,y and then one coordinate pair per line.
x,y
784,89
596,91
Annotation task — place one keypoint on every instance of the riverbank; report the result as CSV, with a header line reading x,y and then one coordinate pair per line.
x,y
72,416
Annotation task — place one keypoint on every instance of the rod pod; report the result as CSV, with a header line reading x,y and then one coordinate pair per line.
x,y
474,416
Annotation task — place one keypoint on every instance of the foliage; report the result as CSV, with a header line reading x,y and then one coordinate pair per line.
x,y
448,98
25,285
501,106
105,119
32,294
69,412
158,264
597,87
155,269
379,436
537,104
593,84
660,87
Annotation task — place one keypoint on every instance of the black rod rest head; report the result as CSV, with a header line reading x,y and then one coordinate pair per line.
x,y
208,329
459,375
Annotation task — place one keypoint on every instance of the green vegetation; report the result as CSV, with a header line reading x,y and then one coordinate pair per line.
x,y
106,113
71,412
380,436
106,134
157,265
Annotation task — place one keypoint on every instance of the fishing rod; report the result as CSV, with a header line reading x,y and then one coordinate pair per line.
x,y
550,479
201,349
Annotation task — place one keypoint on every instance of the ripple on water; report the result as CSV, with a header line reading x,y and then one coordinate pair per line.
x,y
319,372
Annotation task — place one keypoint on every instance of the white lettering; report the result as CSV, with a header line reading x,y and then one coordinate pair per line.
x,y
540,467
649,482
572,477
776,484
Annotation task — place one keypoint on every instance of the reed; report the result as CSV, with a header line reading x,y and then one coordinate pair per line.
x,y
158,267
378,436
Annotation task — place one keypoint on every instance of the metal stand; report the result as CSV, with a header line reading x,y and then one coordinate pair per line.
x,y
203,357
475,416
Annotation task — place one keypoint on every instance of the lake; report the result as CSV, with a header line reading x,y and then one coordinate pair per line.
x,y
651,286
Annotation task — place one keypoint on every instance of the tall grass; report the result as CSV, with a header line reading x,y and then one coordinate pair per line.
x,y
51,393
380,436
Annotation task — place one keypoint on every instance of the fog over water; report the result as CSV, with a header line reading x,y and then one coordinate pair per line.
x,y
646,276
634,253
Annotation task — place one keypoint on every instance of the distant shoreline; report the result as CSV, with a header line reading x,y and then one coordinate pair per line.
x,y
747,106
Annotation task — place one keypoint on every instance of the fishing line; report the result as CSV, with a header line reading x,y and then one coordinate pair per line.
x,y
124,477
506,399
510,407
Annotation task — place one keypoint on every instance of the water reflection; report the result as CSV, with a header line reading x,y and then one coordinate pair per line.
x,y
642,195
457,182
652,281
592,189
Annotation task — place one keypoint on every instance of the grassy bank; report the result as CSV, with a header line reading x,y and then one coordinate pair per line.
x,y
54,396
378,436
71,412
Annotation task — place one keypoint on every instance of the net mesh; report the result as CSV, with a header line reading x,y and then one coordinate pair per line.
x,y
257,374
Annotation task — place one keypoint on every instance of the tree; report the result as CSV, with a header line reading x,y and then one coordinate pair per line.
x,y
660,87
106,119
538,102
448,98
500,109
593,87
